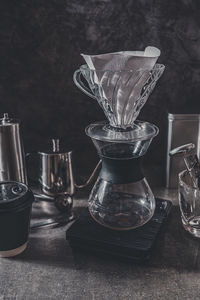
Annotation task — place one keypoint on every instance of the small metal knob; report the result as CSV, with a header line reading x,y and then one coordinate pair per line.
x,y
56,145
5,118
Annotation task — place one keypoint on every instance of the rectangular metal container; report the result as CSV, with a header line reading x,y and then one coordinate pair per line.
x,y
182,129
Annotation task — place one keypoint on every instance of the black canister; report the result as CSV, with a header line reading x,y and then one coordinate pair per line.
x,y
15,211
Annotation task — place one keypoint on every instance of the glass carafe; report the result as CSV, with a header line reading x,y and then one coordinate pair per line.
x,y
121,198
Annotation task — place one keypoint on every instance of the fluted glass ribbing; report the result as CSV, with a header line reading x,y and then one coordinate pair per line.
x,y
122,94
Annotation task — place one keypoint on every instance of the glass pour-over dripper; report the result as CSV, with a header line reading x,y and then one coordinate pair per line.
x,y
121,198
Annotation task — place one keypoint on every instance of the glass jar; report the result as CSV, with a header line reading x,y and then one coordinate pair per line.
x,y
189,201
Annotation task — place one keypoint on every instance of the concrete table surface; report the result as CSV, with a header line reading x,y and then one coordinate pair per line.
x,y
48,269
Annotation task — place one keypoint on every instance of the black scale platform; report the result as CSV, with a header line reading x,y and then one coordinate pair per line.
x,y
137,244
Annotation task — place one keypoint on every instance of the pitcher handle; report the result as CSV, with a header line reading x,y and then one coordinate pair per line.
x,y
79,83
90,178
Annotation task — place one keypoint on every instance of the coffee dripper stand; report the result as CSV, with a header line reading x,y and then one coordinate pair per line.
x,y
121,198
56,184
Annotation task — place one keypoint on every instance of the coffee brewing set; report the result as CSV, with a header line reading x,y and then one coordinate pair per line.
x,y
121,198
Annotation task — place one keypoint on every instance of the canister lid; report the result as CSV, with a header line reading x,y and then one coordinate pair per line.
x,y
14,194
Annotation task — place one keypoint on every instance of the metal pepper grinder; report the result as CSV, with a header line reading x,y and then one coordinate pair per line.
x,y
12,158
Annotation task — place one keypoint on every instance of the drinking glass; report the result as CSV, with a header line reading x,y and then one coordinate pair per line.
x,y
189,201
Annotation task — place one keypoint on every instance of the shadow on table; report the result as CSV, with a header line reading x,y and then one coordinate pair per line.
x,y
175,249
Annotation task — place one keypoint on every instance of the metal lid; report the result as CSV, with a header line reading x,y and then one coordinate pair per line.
x,y
183,116
13,194
6,121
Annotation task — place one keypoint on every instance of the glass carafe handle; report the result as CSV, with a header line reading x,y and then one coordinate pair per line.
x,y
79,83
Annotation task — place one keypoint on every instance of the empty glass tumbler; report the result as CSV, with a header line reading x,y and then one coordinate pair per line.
x,y
189,201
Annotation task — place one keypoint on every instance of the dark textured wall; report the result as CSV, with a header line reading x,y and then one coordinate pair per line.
x,y
40,48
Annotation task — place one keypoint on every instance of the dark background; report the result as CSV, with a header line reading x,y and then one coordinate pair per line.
x,y
40,45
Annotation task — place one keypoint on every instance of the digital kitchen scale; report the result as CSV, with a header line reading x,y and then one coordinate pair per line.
x,y
136,245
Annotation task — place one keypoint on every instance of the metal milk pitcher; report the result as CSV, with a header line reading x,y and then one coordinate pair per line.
x,y
12,158
56,176
56,172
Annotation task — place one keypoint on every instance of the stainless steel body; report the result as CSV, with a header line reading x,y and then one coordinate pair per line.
x,y
182,129
12,158
56,174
